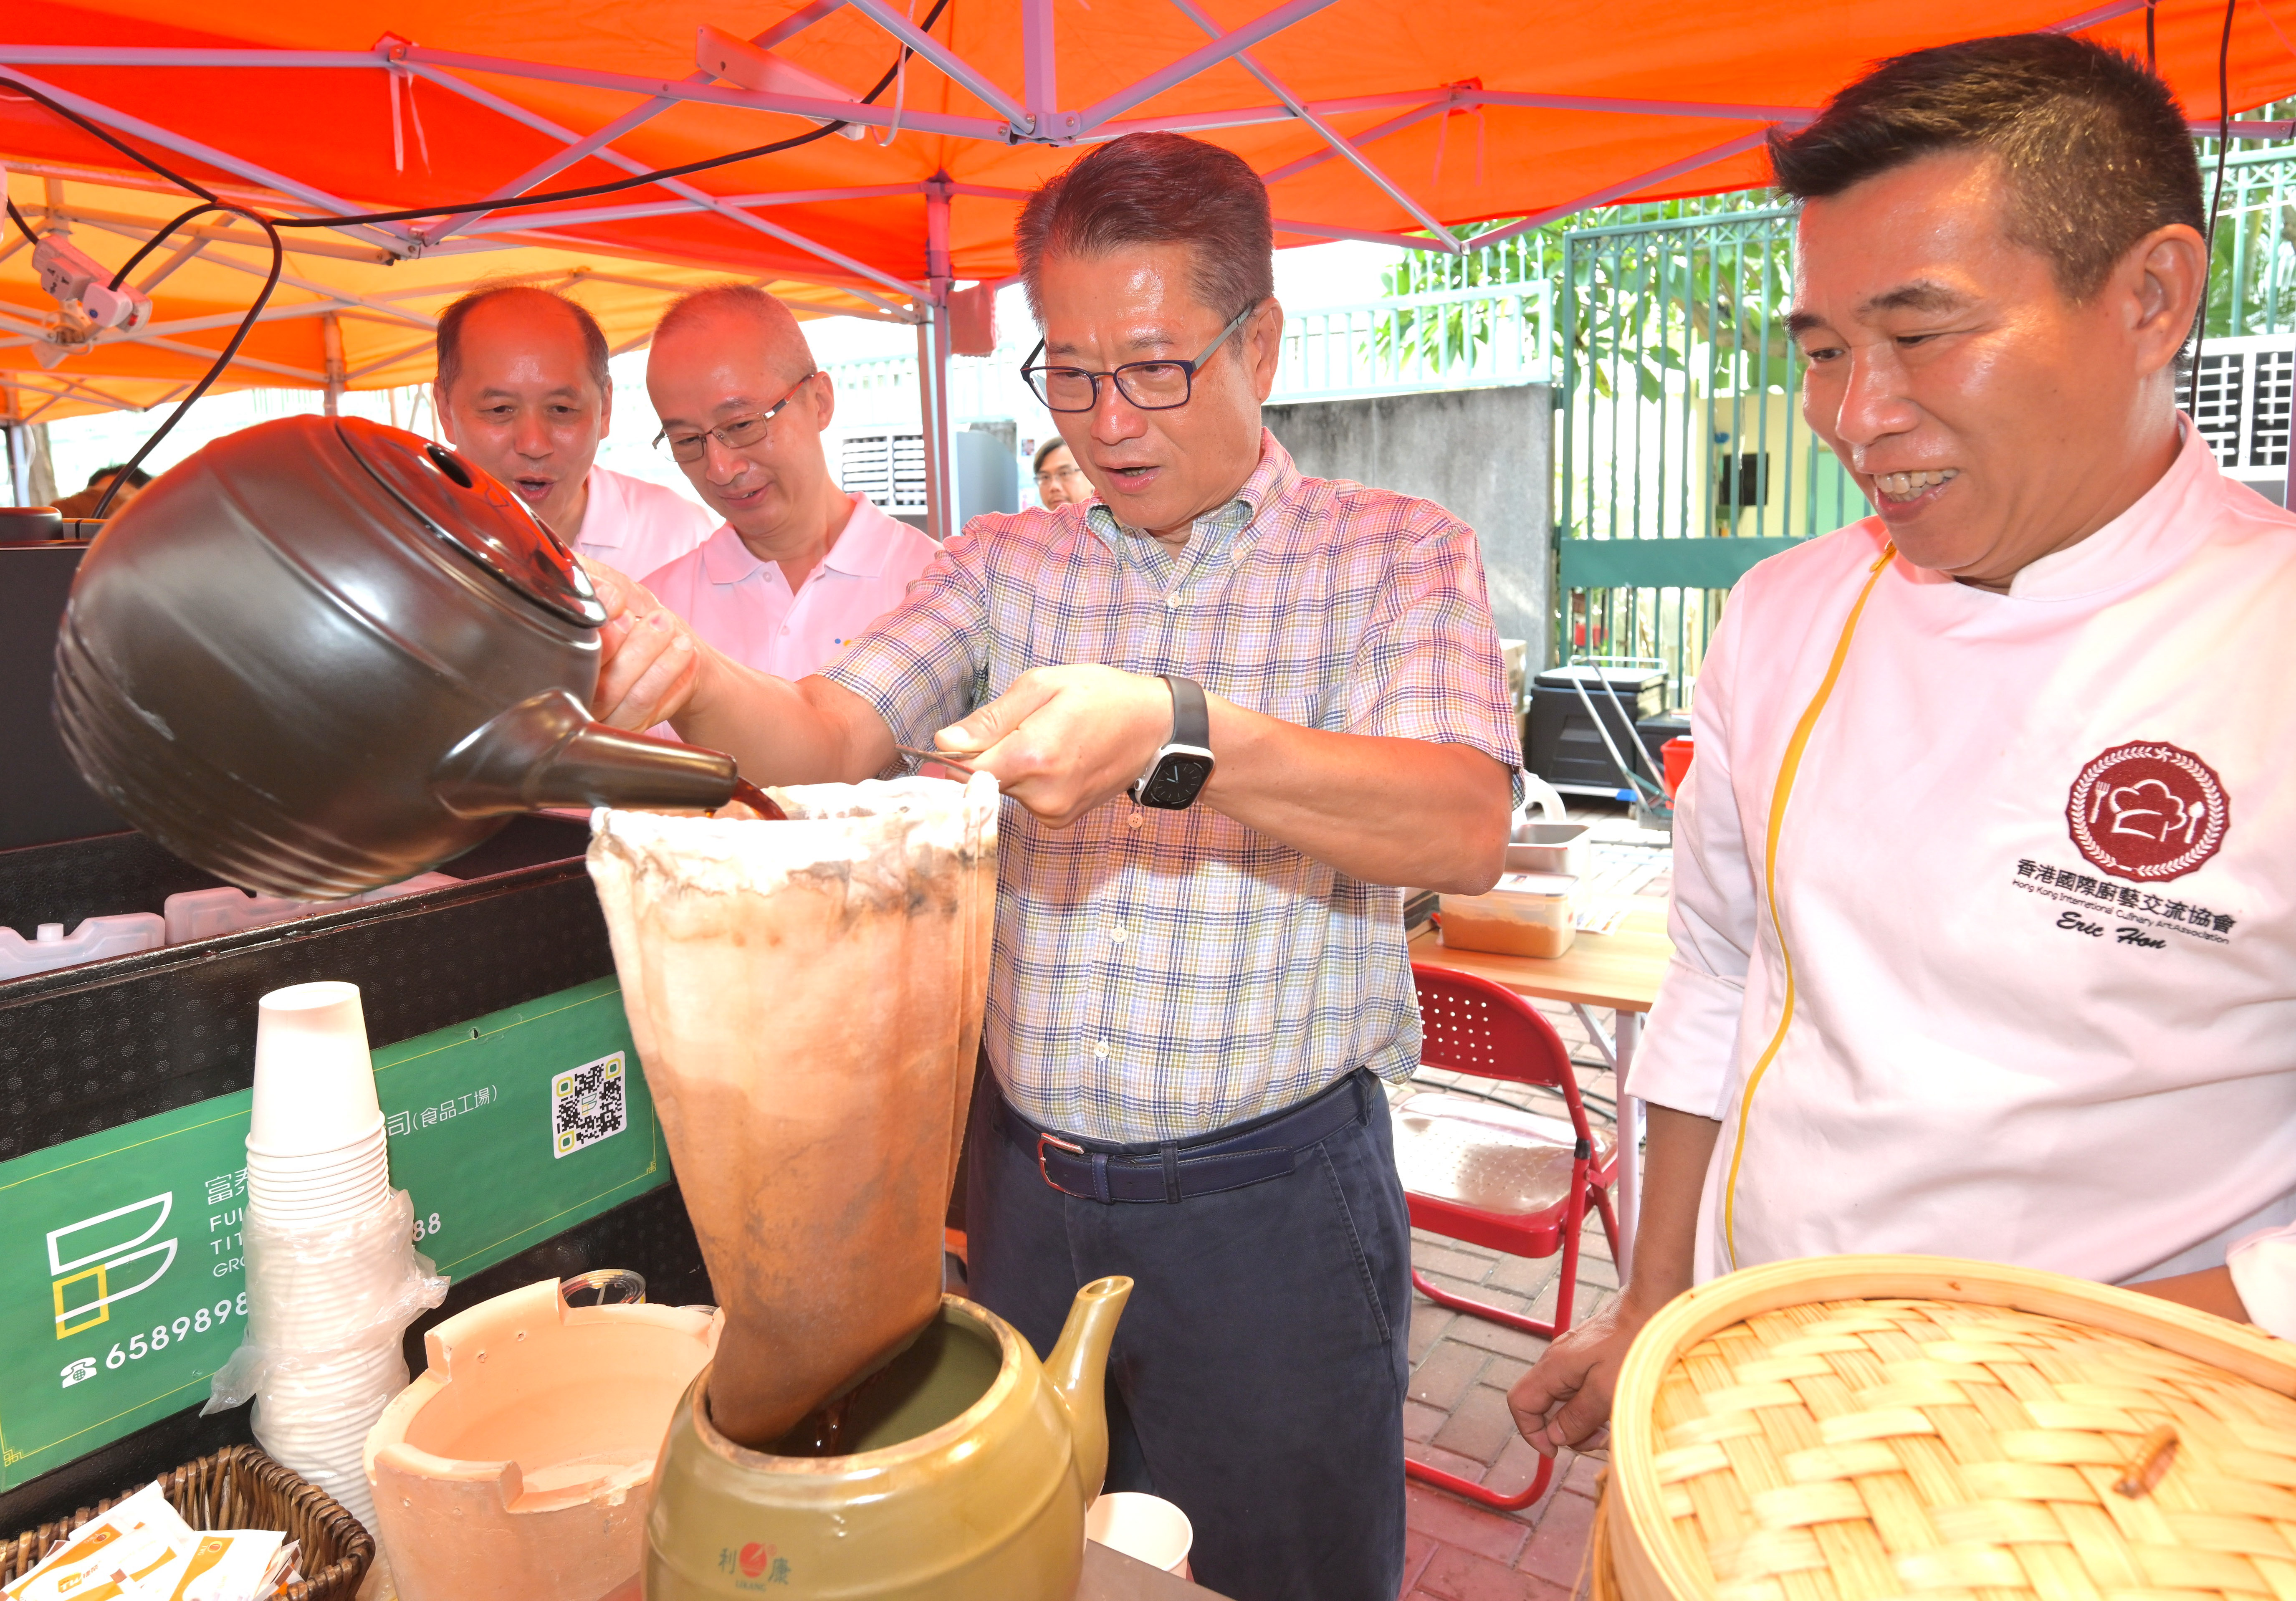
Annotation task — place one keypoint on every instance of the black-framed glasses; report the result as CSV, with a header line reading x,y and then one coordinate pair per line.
x,y
1147,385
739,434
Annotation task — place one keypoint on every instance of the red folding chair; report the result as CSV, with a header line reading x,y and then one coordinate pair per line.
x,y
1493,1175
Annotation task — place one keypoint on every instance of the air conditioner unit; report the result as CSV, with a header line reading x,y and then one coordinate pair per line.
x,y
2242,407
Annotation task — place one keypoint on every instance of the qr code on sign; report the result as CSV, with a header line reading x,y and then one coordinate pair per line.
x,y
588,1104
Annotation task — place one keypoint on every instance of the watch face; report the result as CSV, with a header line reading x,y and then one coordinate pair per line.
x,y
1177,781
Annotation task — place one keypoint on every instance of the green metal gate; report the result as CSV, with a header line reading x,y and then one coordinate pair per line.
x,y
1684,458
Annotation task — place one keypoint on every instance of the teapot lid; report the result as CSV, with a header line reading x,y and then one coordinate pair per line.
x,y
477,517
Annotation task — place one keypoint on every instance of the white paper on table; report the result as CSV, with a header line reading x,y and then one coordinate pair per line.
x,y
1600,917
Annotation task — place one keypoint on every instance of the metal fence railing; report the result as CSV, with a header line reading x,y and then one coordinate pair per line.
x,y
1437,340
2252,283
1684,457
1446,338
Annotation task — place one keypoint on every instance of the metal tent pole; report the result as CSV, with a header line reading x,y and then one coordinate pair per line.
x,y
932,366
331,329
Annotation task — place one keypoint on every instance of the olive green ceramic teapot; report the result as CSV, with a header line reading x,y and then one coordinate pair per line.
x,y
972,1468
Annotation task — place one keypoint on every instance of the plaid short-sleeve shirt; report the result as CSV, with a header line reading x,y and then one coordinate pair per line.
x,y
1157,975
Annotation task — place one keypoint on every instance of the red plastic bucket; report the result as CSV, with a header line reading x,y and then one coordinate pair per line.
x,y
1676,753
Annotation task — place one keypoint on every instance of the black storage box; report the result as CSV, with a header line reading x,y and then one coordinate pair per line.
x,y
1561,745
1656,731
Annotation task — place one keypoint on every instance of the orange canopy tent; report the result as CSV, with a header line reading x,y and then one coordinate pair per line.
x,y
1369,118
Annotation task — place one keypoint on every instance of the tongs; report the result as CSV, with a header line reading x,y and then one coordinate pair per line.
x,y
953,763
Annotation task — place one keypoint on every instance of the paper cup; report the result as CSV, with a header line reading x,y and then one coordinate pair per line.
x,y
320,1401
261,1186
313,1081
369,1163
318,1304
370,1143
264,1190
1145,1528
318,1214
319,1210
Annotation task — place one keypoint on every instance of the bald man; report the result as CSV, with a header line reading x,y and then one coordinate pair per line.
x,y
800,568
522,390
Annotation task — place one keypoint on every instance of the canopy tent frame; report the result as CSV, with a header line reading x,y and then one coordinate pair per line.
x,y
1032,116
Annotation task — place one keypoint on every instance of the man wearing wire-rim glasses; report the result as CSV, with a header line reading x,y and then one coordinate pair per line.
x,y
1235,706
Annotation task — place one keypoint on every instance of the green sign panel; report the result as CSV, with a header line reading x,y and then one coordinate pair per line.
x,y
1701,563
121,1289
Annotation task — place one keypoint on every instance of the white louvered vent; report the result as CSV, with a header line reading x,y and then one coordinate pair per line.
x,y
2243,404
889,467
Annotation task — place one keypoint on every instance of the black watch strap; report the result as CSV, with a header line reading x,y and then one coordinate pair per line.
x,y
1192,722
1179,773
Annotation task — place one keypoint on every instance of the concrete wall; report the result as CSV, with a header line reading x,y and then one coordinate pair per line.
x,y
1485,455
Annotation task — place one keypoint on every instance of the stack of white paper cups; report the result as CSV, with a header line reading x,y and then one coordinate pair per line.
x,y
328,1251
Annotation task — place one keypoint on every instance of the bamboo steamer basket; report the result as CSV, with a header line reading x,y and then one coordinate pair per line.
x,y
1857,1428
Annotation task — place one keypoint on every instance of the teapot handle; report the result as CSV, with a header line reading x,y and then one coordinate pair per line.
x,y
547,752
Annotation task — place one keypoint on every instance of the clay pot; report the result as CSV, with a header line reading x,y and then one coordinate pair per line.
x,y
806,998
518,1465
977,1465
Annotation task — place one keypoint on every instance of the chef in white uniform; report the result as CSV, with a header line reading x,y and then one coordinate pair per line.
x,y
1985,908
524,392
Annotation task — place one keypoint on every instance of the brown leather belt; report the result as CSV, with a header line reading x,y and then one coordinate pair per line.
x,y
1170,1172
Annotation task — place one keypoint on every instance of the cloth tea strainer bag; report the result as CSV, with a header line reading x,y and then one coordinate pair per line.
x,y
806,996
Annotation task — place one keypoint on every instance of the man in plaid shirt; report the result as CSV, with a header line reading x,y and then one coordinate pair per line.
x,y
1197,980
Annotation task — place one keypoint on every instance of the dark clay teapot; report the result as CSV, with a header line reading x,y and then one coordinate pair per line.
x,y
322,655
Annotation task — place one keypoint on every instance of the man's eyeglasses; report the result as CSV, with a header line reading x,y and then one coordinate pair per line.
x,y
740,434
1147,385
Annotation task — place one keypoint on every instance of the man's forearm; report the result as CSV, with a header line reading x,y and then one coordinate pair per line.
x,y
1387,811
811,731
1666,1236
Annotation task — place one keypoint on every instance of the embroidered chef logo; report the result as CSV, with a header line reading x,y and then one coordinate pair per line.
x,y
2147,811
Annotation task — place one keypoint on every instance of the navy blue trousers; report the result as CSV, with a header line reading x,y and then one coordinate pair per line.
x,y
1258,1377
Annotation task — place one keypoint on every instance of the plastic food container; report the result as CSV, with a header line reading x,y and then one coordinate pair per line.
x,y
207,914
1542,839
1548,848
1526,914
96,939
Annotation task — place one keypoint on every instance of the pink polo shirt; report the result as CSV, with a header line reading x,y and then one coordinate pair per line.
x,y
743,606
634,527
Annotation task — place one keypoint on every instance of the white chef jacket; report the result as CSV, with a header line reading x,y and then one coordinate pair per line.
x,y
744,605
1999,1049
634,527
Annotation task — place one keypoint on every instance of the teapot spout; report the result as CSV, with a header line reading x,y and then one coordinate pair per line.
x,y
546,752
1077,1369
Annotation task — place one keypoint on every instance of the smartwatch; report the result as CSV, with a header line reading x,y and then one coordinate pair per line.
x,y
1177,775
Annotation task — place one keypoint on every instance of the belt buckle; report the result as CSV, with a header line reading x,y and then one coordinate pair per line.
x,y
1043,1140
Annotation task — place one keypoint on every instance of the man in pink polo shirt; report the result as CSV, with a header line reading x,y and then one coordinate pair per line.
x,y
522,390
799,568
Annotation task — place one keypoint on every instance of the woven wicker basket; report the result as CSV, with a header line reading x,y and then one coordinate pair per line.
x,y
238,1488
1855,1428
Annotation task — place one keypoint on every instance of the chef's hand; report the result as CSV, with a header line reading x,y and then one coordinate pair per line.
x,y
1065,739
1564,1400
648,659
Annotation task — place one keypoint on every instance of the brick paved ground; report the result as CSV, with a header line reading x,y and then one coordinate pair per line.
x,y
1457,1418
